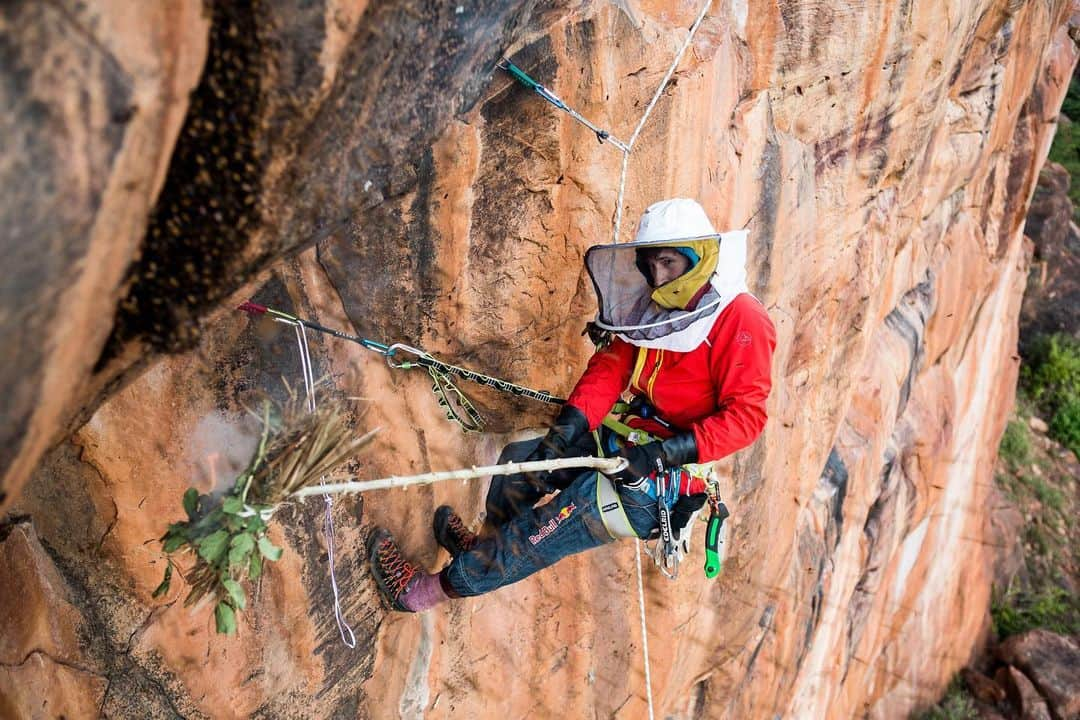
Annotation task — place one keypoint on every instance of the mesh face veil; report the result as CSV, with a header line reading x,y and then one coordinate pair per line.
x,y
659,317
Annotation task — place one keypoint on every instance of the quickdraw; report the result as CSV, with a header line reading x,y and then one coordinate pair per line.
x,y
522,77
451,398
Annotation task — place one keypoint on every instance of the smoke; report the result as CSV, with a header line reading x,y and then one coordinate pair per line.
x,y
220,448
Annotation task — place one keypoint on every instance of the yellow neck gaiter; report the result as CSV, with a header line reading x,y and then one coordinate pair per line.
x,y
678,293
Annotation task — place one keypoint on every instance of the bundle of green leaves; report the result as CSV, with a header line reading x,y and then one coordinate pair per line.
x,y
227,534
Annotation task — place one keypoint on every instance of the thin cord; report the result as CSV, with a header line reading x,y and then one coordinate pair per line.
x,y
305,366
328,530
644,627
328,518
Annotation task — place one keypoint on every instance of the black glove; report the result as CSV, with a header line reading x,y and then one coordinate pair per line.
x,y
656,457
683,511
563,435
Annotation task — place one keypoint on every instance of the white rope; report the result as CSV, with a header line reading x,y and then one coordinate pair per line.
x,y
619,200
644,626
615,239
645,117
607,466
346,632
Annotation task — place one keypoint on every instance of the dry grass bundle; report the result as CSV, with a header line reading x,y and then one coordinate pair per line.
x,y
227,534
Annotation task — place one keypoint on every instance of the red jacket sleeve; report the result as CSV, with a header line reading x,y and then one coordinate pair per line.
x,y
741,365
603,381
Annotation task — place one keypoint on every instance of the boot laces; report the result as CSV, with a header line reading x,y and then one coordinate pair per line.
x,y
465,537
395,567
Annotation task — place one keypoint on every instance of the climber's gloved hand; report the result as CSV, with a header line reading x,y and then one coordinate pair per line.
x,y
561,441
683,514
562,437
656,457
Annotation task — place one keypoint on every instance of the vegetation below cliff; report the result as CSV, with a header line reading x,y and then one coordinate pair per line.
x,y
1037,473
1066,147
1038,476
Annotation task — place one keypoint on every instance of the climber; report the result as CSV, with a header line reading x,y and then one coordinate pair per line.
x,y
693,347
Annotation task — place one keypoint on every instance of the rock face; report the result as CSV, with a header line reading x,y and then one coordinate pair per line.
x,y
882,157
1051,661
97,97
93,96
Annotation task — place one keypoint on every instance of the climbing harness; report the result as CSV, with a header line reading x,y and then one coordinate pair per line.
x,y
452,399
666,551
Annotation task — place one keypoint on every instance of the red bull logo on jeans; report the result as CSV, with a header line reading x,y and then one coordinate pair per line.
x,y
551,525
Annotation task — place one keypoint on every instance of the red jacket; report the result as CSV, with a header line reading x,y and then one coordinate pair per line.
x,y
717,391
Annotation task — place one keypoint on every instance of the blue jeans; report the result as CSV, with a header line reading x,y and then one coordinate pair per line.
x,y
518,539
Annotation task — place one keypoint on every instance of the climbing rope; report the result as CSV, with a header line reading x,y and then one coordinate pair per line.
x,y
344,629
626,148
644,626
645,117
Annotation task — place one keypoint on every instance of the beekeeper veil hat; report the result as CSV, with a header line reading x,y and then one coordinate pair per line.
x,y
679,314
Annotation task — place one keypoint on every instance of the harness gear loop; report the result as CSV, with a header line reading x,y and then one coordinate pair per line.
x,y
612,512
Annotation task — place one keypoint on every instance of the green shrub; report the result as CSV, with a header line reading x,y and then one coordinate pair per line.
x,y
1051,378
1065,425
1050,607
1051,374
1015,447
956,705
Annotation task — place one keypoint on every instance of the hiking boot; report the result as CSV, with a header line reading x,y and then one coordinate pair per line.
x,y
392,572
451,533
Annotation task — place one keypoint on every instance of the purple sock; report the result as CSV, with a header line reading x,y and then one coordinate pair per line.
x,y
424,593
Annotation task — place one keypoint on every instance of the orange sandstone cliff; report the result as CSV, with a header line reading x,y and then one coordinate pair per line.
x,y
364,164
